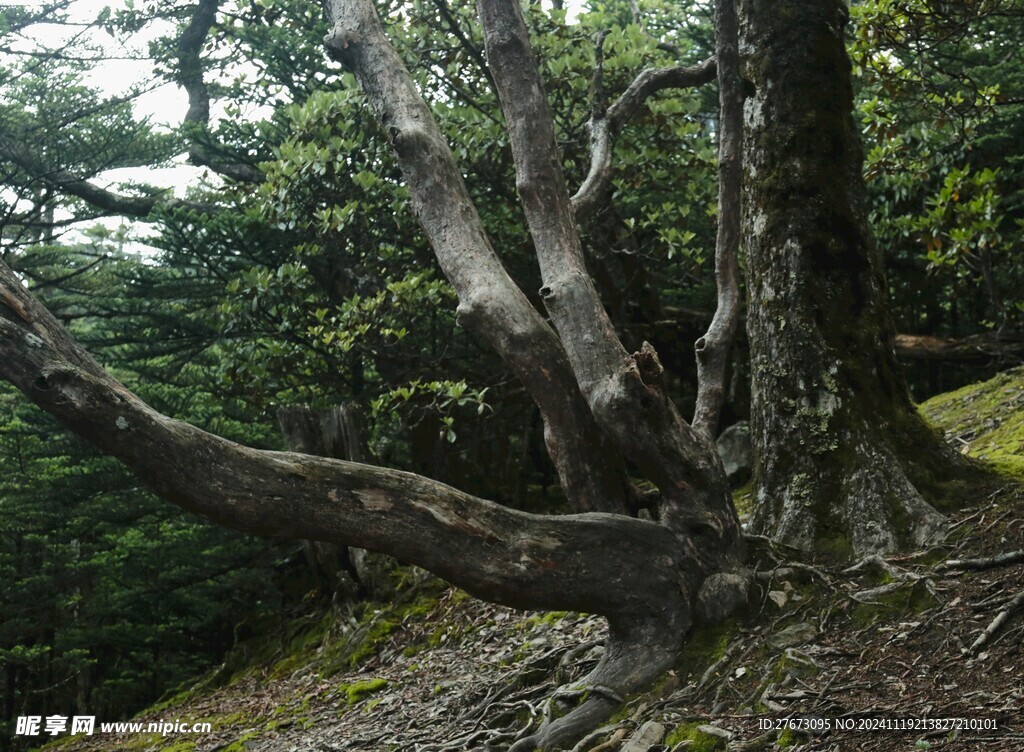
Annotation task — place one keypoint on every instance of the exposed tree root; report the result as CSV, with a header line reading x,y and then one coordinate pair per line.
x,y
1004,616
980,565
632,661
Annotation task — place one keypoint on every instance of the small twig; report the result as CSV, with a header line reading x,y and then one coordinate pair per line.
x,y
718,665
754,745
789,568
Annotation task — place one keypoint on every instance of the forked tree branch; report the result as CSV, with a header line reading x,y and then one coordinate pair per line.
x,y
197,118
605,129
625,392
714,347
490,302
496,553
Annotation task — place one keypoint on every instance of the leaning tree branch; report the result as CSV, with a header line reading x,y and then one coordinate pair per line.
x,y
197,118
499,554
974,348
625,392
714,347
103,199
490,303
604,130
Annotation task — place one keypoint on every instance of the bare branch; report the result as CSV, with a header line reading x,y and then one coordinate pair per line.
x,y
490,303
604,130
714,347
190,76
625,392
101,198
569,295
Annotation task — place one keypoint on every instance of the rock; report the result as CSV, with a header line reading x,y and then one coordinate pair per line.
x,y
795,664
737,453
722,595
649,735
794,634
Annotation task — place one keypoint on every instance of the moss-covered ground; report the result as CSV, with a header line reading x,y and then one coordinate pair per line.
x,y
985,420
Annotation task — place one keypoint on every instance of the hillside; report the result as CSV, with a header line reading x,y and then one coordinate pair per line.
x,y
927,635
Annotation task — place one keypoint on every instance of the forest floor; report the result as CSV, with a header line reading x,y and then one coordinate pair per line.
x,y
921,651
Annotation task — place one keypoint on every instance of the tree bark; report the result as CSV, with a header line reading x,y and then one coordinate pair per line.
x,y
490,304
842,456
625,392
713,349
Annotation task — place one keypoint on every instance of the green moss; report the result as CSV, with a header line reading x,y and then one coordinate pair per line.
x,y
835,548
377,626
698,740
987,419
238,745
357,691
139,742
180,746
550,617
705,645
230,719
794,664
743,499
912,599
790,737
376,633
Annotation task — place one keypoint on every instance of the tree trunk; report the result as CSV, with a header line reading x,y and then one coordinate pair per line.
x,y
842,456
336,432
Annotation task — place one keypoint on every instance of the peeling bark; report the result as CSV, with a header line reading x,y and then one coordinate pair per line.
x,y
842,456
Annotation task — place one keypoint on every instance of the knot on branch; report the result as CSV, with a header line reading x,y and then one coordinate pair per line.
x,y
337,42
649,365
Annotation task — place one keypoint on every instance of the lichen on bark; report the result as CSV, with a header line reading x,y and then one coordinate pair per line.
x,y
842,456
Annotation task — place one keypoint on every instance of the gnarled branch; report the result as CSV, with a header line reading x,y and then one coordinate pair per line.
x,y
196,121
490,302
625,392
604,130
499,554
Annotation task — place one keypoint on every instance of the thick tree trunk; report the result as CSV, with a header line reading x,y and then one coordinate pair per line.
x,y
842,456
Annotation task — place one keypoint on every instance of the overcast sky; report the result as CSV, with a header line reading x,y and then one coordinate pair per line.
x,y
128,66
